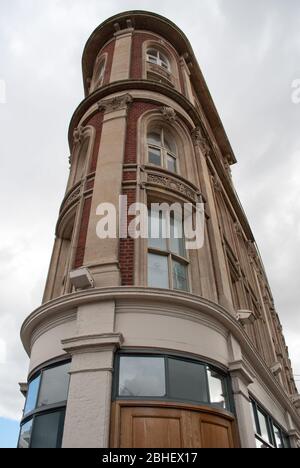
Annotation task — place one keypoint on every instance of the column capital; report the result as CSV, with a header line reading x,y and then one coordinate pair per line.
x,y
115,104
92,343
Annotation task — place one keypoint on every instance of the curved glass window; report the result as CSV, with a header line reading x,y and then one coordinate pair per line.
x,y
162,150
44,411
156,57
164,377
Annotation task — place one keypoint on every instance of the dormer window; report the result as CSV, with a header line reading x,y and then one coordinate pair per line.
x,y
158,58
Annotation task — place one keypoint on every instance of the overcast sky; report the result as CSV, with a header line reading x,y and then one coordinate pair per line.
x,y
249,53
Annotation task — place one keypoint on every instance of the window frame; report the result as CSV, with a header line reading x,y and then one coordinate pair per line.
x,y
172,257
228,399
165,153
45,409
160,58
271,423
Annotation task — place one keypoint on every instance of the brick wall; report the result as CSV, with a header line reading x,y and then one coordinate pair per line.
x,y
126,254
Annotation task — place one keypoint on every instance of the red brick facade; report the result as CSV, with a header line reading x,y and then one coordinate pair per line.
x,y
127,245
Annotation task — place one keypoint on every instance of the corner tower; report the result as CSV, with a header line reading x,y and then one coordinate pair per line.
x,y
141,343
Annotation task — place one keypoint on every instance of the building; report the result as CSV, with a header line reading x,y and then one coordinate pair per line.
x,y
143,343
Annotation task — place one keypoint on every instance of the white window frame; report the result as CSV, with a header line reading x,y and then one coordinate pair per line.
x,y
165,153
172,257
159,58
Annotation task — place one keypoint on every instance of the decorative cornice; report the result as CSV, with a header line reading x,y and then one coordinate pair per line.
x,y
169,114
174,185
116,103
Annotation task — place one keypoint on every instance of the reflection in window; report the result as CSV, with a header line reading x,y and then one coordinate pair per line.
x,y
55,385
187,381
162,150
45,406
32,395
167,267
25,435
142,377
268,434
217,388
171,378
47,432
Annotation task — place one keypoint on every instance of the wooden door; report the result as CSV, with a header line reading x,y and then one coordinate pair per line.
x,y
156,425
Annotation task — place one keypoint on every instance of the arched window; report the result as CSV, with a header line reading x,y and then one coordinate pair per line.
x,y
81,162
98,75
162,150
158,58
100,72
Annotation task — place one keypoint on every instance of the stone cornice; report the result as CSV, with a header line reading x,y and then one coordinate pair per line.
x,y
185,300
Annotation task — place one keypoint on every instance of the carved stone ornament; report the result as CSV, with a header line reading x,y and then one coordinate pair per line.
x,y
217,184
238,229
169,114
173,184
251,250
78,135
199,139
116,103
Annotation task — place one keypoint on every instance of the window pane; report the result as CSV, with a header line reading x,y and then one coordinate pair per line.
x,y
153,52
278,439
154,156
261,445
158,272
177,241
154,139
187,381
180,276
47,431
55,385
169,143
263,426
286,441
142,377
156,230
217,388
172,164
163,60
253,412
25,435
32,395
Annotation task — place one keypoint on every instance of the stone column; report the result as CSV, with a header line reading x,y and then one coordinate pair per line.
x,y
87,422
102,256
122,55
241,378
